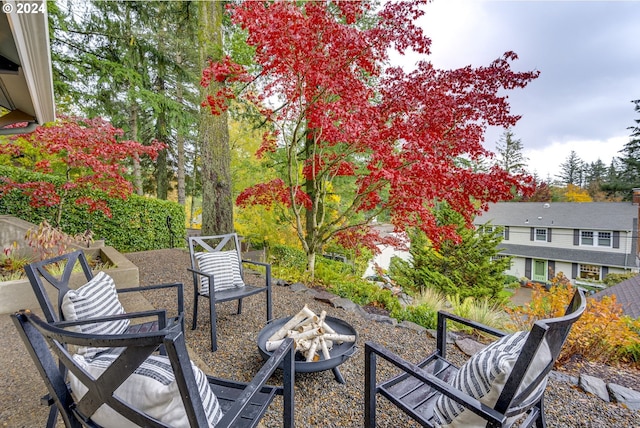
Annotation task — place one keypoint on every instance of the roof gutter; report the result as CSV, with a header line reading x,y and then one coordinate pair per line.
x,y
31,36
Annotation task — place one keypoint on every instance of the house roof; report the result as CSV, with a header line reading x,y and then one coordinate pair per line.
x,y
603,258
26,79
627,294
571,215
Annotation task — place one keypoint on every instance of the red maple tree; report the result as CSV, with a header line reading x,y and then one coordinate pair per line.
x,y
88,153
393,142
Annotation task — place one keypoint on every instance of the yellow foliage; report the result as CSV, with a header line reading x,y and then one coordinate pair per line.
x,y
577,194
601,333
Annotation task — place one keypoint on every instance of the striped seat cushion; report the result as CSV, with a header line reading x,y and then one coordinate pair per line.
x,y
152,388
225,268
483,377
97,298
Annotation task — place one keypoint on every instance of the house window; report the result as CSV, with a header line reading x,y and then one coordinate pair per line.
x,y
595,239
589,272
541,235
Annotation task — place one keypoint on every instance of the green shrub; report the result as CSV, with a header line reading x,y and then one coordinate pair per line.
x,y
424,310
423,315
616,278
483,311
137,224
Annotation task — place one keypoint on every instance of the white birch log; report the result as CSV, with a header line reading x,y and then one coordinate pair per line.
x,y
292,323
325,348
308,335
311,353
310,320
302,346
272,345
340,337
324,325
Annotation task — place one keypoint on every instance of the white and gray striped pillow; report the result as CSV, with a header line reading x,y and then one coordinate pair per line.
x,y
483,377
152,388
225,268
97,298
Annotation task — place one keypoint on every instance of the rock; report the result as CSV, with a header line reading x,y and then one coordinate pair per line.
x,y
451,336
281,283
405,300
469,346
411,326
298,286
382,318
325,296
343,303
561,377
625,396
595,386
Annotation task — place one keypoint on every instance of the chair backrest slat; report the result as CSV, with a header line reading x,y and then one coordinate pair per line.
x,y
214,243
43,281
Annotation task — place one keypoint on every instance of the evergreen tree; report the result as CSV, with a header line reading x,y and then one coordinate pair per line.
x,y
468,268
625,175
572,170
117,60
509,151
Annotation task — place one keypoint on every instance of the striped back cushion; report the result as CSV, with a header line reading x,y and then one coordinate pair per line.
x,y
225,268
97,298
152,388
483,377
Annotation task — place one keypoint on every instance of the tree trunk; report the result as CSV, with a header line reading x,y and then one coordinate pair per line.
x,y
217,203
162,179
180,144
137,170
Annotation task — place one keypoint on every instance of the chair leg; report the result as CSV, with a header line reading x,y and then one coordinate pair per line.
x,y
269,309
369,388
239,306
195,311
541,422
213,317
288,390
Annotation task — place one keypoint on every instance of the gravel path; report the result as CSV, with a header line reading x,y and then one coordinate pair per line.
x,y
320,401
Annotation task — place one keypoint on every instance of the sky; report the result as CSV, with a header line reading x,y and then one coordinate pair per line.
x,y
588,55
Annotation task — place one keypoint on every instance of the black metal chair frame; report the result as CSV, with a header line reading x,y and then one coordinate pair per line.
x,y
214,243
243,404
429,378
41,280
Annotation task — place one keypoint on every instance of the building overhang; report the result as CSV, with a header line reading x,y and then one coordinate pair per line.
x,y
26,78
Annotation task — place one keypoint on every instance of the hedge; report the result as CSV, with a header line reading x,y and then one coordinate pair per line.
x,y
137,224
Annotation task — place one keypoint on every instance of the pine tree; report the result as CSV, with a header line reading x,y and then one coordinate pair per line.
x,y
509,151
572,170
468,268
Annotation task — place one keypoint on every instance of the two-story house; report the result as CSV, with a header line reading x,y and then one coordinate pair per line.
x,y
584,241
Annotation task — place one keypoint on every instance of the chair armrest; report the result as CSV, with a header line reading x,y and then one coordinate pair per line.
x,y
253,262
199,272
161,314
177,285
267,267
466,400
441,339
284,353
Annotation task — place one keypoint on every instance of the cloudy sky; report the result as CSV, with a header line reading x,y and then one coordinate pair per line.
x,y
588,53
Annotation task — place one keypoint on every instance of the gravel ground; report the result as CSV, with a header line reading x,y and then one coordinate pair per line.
x,y
320,401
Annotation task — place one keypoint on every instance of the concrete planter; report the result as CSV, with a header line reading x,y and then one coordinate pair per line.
x,y
15,295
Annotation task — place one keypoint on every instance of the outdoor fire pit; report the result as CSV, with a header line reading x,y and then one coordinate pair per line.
x,y
341,335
